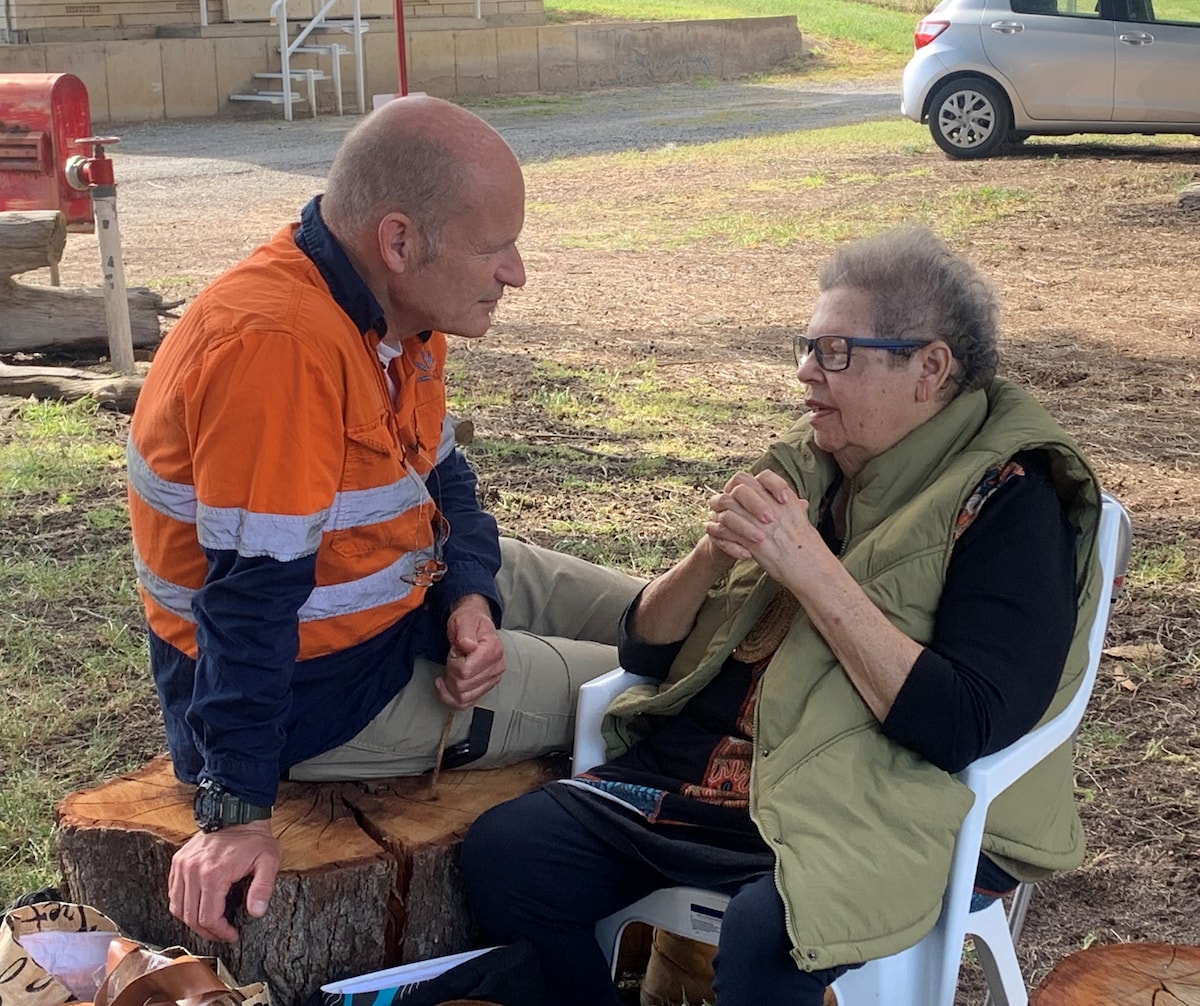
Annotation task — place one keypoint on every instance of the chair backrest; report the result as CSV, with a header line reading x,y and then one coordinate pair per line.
x,y
925,974
932,965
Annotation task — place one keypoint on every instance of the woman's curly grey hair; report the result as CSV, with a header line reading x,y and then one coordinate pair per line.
x,y
923,290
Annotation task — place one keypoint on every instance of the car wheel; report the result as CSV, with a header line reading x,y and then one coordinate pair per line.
x,y
969,117
1016,138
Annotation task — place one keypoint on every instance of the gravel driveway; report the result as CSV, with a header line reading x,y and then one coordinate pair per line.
x,y
197,195
538,128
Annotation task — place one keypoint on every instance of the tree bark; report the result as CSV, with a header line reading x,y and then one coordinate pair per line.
x,y
31,239
67,384
368,879
54,319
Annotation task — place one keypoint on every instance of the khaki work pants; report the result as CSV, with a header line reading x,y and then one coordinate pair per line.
x,y
560,630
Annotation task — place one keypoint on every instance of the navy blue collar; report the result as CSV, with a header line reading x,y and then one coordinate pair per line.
x,y
348,289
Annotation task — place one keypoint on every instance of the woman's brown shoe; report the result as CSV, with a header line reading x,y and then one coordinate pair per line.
x,y
679,971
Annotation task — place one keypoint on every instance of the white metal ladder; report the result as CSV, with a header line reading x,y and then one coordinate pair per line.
x,y
287,75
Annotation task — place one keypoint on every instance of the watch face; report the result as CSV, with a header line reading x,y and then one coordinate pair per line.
x,y
206,806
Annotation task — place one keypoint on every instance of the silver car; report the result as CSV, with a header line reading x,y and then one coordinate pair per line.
x,y
987,73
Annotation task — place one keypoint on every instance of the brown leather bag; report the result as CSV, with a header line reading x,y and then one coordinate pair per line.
x,y
137,976
132,974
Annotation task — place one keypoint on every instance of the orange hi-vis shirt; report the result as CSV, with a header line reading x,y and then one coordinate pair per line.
x,y
265,427
287,513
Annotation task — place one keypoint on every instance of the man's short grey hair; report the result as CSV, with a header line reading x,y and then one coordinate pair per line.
x,y
923,290
377,172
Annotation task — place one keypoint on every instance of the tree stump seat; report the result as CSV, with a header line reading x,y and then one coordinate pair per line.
x,y
368,877
1124,974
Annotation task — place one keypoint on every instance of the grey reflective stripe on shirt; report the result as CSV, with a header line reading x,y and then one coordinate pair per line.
x,y
175,499
383,587
360,507
372,591
279,536
176,599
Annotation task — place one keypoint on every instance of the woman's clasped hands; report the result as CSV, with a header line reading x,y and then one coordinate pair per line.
x,y
760,517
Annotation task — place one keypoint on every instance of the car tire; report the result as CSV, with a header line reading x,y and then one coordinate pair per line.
x,y
969,117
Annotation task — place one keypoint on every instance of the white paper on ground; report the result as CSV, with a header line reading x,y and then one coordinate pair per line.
x,y
405,974
75,959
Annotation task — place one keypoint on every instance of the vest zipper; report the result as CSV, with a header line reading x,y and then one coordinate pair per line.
x,y
846,536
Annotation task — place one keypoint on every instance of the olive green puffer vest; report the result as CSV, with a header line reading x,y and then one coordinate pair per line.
x,y
863,829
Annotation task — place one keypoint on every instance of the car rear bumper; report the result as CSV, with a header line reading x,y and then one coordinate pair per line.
x,y
922,71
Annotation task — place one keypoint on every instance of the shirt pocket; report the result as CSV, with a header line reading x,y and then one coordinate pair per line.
x,y
375,495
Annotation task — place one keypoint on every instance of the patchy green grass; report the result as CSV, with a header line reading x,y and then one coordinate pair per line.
x,y
886,28
736,192
79,704
1160,566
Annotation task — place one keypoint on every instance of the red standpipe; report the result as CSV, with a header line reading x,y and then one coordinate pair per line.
x,y
94,175
401,60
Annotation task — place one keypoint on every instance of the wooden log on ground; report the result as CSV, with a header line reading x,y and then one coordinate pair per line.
x,y
1124,974
58,319
68,384
1189,197
368,875
31,239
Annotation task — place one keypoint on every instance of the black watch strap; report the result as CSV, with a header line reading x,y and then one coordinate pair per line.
x,y
215,808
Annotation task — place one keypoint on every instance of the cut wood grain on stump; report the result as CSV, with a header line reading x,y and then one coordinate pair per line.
x,y
1124,974
368,876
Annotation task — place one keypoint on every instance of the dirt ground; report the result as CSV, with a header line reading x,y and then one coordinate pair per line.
x,y
1098,270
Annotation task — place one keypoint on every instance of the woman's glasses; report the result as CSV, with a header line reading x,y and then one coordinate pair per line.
x,y
833,351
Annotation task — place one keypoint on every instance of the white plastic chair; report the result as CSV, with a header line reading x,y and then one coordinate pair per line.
x,y
925,974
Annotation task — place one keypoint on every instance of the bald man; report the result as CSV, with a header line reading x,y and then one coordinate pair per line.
x,y
321,586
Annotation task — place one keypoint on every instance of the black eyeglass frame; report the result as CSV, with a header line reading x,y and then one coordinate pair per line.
x,y
802,346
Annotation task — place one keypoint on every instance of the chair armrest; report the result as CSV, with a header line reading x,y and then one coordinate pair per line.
x,y
594,697
991,775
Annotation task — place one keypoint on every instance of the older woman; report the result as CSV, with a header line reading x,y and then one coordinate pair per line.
x,y
889,594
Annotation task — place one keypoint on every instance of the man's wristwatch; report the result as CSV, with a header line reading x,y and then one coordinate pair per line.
x,y
216,808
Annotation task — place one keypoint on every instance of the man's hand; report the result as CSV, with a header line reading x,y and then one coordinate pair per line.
x,y
209,864
476,661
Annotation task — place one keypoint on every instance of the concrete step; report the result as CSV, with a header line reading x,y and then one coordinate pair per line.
x,y
294,74
274,97
332,49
